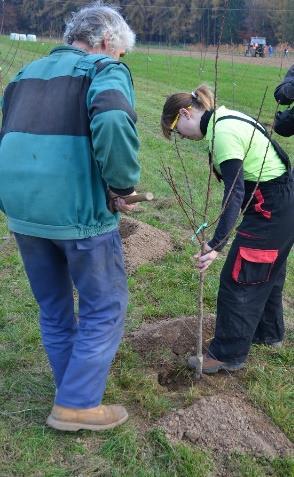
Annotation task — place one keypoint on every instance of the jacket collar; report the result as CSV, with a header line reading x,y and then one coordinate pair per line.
x,y
69,48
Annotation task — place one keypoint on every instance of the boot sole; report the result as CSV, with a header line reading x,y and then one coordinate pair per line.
x,y
77,426
224,367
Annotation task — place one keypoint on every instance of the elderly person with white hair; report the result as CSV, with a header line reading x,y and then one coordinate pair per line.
x,y
68,159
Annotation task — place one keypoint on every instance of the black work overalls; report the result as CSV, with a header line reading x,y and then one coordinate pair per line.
x,y
249,305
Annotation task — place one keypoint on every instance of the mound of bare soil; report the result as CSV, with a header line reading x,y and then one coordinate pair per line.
x,y
226,424
142,243
165,346
176,334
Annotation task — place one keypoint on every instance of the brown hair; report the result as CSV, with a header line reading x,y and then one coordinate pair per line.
x,y
201,98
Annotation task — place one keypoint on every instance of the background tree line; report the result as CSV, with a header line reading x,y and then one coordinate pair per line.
x,y
162,21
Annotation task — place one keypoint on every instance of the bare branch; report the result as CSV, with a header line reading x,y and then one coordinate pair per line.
x,y
199,357
168,177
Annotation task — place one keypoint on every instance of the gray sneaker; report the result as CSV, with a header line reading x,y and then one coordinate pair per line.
x,y
276,344
212,366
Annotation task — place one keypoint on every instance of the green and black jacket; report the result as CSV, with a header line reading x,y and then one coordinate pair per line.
x,y
68,134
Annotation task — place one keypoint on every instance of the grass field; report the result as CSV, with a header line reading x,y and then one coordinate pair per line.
x,y
168,288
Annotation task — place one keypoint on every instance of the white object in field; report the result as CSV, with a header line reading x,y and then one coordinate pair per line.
x,y
14,36
31,37
22,37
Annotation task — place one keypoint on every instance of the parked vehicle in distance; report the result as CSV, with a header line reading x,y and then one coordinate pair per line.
x,y
256,46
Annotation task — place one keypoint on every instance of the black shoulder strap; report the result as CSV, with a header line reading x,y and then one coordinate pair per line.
x,y
126,66
279,150
88,61
253,123
101,65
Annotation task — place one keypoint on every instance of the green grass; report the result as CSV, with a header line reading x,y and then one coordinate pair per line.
x,y
167,288
270,383
246,466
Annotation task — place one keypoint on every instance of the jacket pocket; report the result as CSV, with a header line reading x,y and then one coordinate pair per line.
x,y
253,266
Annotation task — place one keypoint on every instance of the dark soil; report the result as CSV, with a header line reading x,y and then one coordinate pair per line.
x,y
142,243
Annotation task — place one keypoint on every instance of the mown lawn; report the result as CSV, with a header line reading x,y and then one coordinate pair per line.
x,y
168,288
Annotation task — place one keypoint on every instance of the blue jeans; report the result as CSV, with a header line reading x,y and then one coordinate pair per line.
x,y
80,350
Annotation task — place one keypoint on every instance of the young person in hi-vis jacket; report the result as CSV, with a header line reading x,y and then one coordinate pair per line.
x,y
249,305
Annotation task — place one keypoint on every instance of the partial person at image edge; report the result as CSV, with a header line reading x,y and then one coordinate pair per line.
x,y
284,94
68,156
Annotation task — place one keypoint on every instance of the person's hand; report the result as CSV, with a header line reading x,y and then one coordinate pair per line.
x,y
118,203
203,261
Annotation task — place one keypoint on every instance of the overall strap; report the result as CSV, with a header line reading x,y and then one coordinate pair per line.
x,y
279,150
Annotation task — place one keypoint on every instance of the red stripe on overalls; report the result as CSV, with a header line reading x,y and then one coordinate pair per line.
x,y
260,201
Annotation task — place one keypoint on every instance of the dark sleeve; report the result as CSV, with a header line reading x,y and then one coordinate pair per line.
x,y
3,110
122,192
284,93
229,170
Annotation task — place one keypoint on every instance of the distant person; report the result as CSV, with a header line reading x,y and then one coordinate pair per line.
x,y
255,168
68,160
270,50
286,52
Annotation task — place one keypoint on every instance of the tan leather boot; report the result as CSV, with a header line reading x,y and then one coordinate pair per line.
x,y
97,418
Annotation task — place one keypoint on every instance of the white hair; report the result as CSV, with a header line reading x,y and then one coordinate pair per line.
x,y
96,22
